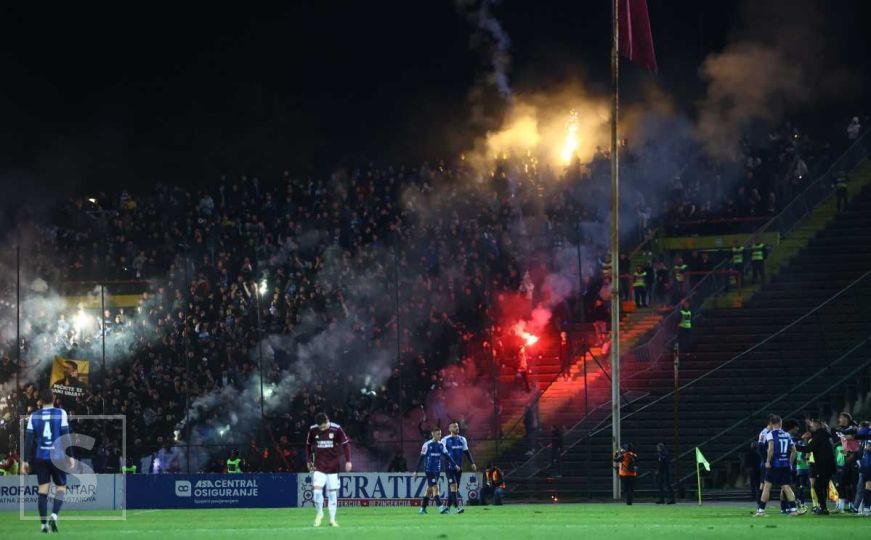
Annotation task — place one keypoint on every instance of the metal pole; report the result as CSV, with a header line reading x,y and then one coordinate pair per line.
x,y
398,339
587,468
103,334
187,360
495,369
586,385
676,451
580,275
615,247
260,349
18,332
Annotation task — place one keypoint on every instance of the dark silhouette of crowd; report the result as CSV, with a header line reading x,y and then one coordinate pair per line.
x,y
403,263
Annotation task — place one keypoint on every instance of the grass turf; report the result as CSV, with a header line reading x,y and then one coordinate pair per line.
x,y
511,522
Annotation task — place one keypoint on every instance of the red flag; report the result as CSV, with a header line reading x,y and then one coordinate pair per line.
x,y
636,40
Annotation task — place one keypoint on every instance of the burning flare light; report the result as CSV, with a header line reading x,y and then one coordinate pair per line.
x,y
570,146
529,338
520,331
82,320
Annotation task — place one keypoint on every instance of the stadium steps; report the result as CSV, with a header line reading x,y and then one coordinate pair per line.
x,y
814,226
795,365
560,402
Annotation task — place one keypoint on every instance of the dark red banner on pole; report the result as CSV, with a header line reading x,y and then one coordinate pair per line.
x,y
636,39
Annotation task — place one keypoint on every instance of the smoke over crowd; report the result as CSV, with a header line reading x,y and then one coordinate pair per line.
x,y
779,60
389,294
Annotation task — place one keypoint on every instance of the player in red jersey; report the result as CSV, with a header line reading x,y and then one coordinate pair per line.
x,y
322,447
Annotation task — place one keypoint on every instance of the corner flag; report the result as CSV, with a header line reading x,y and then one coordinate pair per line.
x,y
700,459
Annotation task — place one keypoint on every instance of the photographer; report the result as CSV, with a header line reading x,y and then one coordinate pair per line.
x,y
627,463
494,484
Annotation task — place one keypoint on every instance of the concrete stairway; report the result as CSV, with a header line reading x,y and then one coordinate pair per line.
x,y
760,353
562,402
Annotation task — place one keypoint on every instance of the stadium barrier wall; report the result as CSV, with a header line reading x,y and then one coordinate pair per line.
x,y
387,489
84,492
150,491
211,490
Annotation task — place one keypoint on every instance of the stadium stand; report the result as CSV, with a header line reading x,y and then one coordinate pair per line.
x,y
799,346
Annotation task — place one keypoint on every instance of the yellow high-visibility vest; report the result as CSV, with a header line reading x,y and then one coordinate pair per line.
x,y
758,252
639,279
686,319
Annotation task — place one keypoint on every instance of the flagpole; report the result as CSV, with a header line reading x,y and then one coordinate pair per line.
x,y
615,244
699,479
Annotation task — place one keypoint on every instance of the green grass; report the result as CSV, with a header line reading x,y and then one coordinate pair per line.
x,y
511,522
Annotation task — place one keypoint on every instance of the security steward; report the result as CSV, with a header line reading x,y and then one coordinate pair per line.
x,y
234,463
627,467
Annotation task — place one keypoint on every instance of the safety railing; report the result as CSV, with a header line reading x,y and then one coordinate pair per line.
x,y
718,279
732,360
818,190
748,421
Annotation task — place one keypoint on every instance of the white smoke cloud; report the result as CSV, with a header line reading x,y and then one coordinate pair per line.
x,y
780,59
491,39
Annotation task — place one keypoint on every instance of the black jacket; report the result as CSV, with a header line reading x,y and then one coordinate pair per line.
x,y
663,462
824,453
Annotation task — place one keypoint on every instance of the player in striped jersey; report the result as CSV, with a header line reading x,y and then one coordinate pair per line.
x,y
432,454
45,442
780,456
457,447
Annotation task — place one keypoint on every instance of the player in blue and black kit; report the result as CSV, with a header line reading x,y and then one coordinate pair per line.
x,y
431,455
779,458
864,435
45,442
457,447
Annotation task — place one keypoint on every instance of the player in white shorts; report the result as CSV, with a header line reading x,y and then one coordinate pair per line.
x,y
324,443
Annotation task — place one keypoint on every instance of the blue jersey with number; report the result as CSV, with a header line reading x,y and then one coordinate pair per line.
x,y
782,448
456,445
432,454
47,426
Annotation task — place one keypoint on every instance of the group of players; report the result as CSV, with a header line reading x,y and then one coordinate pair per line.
x,y
326,441
790,461
48,429
436,450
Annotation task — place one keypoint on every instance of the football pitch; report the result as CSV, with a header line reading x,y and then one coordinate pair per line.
x,y
510,522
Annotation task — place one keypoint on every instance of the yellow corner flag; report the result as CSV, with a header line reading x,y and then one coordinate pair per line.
x,y
701,460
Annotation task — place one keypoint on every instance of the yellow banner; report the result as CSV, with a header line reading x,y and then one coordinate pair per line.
x,y
69,378
93,301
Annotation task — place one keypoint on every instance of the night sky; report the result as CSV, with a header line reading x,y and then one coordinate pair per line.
x,y
97,96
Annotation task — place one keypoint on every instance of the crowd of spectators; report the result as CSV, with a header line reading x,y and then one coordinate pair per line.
x,y
770,175
386,262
